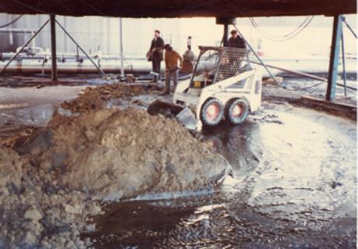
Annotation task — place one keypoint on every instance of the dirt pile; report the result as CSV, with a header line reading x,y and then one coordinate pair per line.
x,y
13,132
36,211
57,176
121,154
98,97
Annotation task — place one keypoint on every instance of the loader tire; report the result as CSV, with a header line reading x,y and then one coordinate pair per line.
x,y
236,111
212,112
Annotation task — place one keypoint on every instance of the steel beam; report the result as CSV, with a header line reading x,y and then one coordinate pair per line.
x,y
80,48
334,58
349,27
256,55
53,48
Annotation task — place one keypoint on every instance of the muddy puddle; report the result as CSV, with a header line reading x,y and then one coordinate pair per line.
x,y
293,186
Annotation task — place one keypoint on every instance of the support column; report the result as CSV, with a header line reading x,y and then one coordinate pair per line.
x,y
53,48
226,34
334,58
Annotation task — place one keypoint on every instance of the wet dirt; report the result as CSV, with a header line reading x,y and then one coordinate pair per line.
x,y
96,153
294,186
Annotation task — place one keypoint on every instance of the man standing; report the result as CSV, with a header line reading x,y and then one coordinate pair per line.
x,y
171,67
236,41
188,57
156,54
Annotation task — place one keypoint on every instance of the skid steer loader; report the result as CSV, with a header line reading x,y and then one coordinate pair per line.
x,y
223,86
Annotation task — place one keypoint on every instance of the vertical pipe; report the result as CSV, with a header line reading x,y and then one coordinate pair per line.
x,y
121,46
344,66
334,57
64,36
53,48
108,34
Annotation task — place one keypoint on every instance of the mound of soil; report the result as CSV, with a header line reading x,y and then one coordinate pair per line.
x,y
53,181
36,211
120,154
97,98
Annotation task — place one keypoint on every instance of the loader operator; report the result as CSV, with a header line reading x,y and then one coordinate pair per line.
x,y
171,67
155,54
236,41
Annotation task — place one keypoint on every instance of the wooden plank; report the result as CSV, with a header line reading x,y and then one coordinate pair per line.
x,y
339,109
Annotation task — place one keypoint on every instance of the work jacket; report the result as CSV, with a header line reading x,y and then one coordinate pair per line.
x,y
237,42
171,60
156,48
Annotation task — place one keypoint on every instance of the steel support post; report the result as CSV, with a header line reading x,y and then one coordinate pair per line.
x,y
226,34
23,47
53,48
80,48
334,58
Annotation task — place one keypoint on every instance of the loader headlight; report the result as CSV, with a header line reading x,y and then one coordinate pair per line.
x,y
197,84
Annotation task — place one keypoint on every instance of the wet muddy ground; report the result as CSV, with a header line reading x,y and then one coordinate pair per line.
x,y
294,186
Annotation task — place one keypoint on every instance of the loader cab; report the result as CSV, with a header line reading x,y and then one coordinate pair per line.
x,y
223,86
215,64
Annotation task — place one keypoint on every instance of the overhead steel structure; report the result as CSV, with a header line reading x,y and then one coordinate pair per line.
x,y
180,8
193,8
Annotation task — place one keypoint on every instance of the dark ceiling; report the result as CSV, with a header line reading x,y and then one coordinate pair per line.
x,y
179,8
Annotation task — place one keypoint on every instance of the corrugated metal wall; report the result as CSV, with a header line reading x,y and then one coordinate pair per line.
x,y
102,33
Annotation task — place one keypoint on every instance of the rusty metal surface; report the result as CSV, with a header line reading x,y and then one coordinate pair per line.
x,y
179,8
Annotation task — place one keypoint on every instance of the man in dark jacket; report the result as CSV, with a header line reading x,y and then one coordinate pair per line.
x,y
156,53
236,41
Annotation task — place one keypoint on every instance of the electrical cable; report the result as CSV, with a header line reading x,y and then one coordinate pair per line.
x,y
11,22
289,35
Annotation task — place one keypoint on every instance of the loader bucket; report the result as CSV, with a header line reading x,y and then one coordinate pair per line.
x,y
167,109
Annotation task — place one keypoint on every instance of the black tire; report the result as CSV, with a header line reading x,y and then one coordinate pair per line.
x,y
236,111
212,112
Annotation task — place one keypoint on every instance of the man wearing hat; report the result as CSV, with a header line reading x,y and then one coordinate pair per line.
x,y
236,41
155,54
